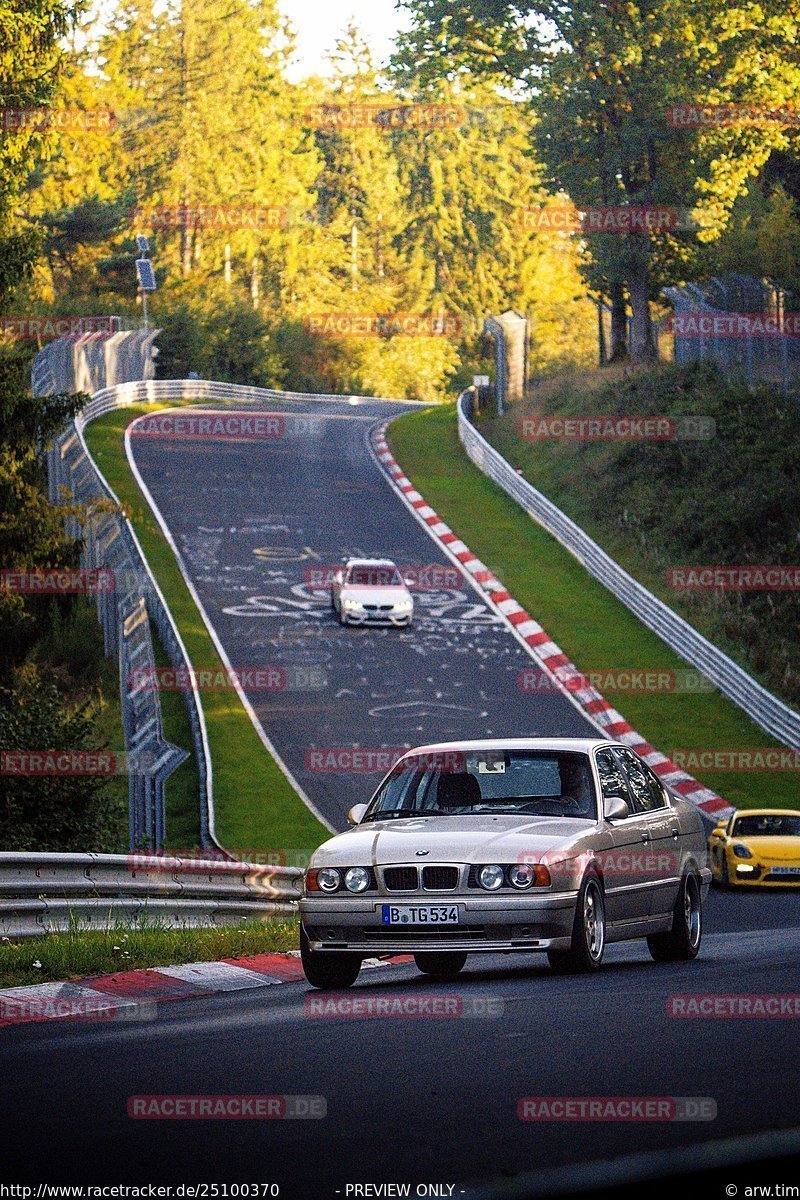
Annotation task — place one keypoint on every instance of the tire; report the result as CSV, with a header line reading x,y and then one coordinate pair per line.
x,y
682,942
588,933
326,969
722,879
440,964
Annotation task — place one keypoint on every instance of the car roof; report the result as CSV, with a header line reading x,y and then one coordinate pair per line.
x,y
583,745
369,562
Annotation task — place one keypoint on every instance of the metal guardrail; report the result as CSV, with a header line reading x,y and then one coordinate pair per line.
x,y
40,893
111,542
769,712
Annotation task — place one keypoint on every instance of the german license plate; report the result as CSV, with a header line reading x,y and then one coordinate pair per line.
x,y
419,914
785,871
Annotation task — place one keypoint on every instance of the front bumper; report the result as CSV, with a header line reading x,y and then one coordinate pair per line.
x,y
762,875
377,618
504,922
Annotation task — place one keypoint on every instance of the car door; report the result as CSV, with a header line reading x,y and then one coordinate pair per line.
x,y
661,862
627,887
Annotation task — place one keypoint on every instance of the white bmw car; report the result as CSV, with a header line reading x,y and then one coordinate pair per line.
x,y
371,591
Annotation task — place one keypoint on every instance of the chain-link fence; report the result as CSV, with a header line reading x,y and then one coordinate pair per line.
x,y
743,326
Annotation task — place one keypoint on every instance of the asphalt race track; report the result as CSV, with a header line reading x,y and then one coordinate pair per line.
x,y
420,1100
259,523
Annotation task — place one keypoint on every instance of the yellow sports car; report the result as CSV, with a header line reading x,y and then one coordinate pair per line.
x,y
757,846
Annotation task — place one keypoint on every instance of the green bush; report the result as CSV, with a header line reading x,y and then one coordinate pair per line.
x,y
55,811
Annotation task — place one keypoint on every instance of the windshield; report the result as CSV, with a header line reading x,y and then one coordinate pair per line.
x,y
528,782
767,826
374,577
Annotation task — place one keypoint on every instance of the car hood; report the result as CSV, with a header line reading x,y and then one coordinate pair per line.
x,y
455,839
772,849
375,595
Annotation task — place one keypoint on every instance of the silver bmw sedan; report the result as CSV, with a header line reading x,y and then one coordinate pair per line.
x,y
557,845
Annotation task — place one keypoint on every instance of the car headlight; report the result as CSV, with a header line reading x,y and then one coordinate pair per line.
x,y
741,851
357,879
525,875
328,879
491,877
353,604
405,605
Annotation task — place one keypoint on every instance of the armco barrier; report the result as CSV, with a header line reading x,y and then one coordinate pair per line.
x,y
110,541
768,712
40,893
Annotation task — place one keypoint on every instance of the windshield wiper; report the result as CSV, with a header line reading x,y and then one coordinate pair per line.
x,y
393,812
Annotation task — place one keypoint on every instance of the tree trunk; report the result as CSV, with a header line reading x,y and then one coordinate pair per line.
x,y
643,347
186,240
619,323
254,283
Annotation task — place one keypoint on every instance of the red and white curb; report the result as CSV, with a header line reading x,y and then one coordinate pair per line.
x,y
135,995
540,645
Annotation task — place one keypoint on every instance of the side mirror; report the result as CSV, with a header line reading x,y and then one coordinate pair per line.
x,y
614,808
356,813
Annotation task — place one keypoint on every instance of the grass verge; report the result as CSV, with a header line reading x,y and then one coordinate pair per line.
x,y
257,809
81,952
590,625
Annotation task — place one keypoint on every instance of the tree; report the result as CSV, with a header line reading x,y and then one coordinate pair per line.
x,y
602,76
210,124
